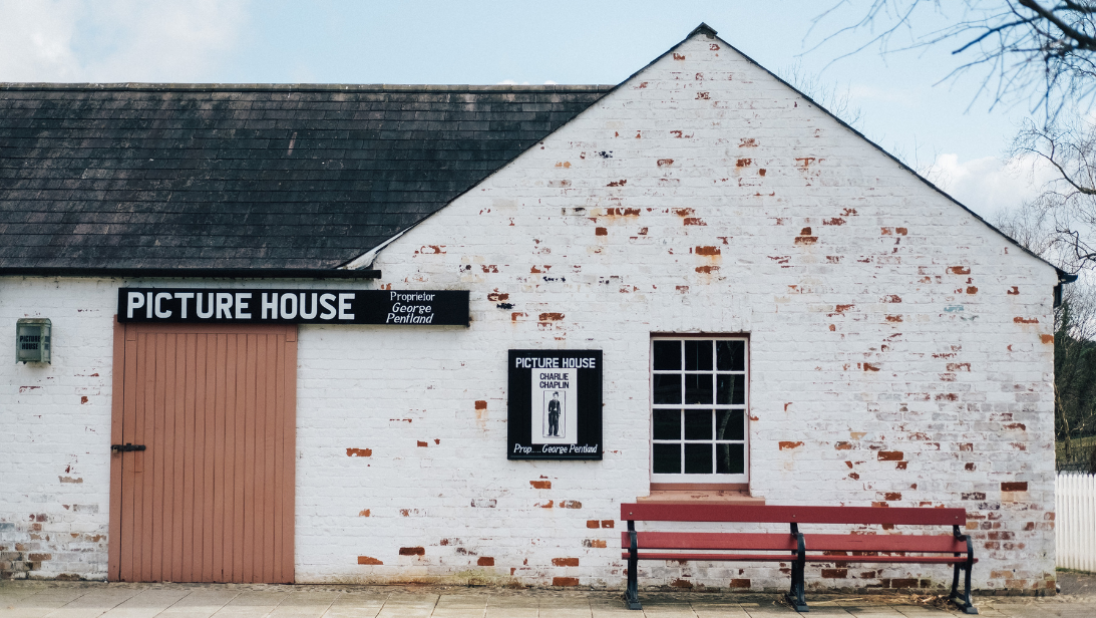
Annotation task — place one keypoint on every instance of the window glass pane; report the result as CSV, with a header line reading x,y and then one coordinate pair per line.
x,y
667,388
667,458
698,458
730,355
729,459
698,355
730,389
698,425
667,425
667,356
730,425
698,388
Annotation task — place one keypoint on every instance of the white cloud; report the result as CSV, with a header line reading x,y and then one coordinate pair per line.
x,y
990,185
116,40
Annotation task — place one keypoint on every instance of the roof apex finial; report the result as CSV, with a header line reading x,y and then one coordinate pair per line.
x,y
704,29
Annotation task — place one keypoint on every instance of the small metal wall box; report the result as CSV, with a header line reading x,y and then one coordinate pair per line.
x,y
32,340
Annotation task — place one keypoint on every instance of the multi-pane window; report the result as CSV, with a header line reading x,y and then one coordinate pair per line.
x,y
698,410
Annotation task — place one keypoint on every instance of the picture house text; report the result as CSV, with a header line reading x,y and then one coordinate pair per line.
x,y
555,363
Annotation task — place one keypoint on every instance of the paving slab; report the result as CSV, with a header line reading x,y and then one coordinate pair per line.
x,y
118,600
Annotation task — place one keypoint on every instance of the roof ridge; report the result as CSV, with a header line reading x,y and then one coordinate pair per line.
x,y
257,87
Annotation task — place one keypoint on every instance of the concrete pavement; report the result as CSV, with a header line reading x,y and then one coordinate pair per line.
x,y
48,599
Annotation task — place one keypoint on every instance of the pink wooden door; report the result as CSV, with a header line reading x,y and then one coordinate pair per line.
x,y
211,497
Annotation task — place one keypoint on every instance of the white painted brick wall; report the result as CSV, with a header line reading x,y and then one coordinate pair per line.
x,y
882,372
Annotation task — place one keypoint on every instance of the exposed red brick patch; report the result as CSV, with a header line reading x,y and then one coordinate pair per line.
x,y
545,505
422,444
892,496
83,399
747,142
971,289
958,270
551,317
890,455
970,467
622,212
412,551
489,268
570,504
694,221
843,308
707,251
40,557
592,523
681,583
1020,426
870,367
743,162
892,298
804,162
601,231
364,513
565,562
481,405
1013,291
761,171
594,543
843,446
359,452
835,573
787,446
573,581
834,221
901,465
894,318
677,56
901,231
706,270
486,561
541,484
368,560
517,315
1014,486
958,367
739,583
665,162
1046,338
608,523
618,183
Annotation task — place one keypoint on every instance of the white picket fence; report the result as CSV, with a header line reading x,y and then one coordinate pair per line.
x,y
1075,521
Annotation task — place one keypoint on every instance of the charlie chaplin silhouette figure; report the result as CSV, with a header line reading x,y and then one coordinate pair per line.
x,y
553,415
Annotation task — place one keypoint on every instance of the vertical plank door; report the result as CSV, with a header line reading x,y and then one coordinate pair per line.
x,y
210,498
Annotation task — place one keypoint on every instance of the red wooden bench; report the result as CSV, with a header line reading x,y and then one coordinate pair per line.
x,y
795,547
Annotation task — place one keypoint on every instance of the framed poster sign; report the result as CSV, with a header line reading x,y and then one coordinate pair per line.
x,y
554,409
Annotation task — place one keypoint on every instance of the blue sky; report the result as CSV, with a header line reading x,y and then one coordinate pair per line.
x,y
941,129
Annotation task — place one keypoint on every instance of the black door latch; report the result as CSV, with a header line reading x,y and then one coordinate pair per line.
x,y
127,447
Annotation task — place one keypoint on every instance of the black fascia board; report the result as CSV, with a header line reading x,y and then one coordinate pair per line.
x,y
190,273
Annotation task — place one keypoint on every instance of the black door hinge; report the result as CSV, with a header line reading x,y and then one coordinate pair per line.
x,y
127,447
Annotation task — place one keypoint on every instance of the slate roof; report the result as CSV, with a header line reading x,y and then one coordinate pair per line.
x,y
247,177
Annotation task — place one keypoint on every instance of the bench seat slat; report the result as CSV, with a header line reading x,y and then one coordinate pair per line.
x,y
863,515
715,557
890,559
885,542
710,541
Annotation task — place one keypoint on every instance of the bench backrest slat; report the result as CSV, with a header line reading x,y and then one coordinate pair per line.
x,y
710,540
793,514
885,543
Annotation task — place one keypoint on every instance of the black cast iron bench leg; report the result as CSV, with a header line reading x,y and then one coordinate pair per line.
x,y
963,601
795,595
631,597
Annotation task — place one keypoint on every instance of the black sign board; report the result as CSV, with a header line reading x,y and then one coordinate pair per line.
x,y
554,404
259,306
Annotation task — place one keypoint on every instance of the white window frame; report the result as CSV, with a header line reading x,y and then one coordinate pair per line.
x,y
694,479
